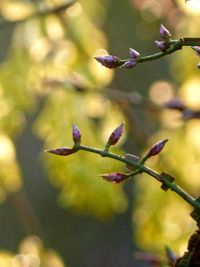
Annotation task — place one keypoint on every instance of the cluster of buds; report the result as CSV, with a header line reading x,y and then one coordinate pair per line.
x,y
165,35
66,151
112,62
133,162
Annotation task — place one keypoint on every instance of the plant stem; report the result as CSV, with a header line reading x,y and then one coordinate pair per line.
x,y
142,168
174,45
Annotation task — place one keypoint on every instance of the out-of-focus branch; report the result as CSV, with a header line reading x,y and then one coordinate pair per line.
x,y
40,13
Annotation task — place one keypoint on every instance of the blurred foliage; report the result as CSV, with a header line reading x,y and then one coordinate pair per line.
x,y
47,67
31,253
156,213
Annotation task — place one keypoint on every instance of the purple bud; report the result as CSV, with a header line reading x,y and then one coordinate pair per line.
x,y
175,104
62,151
109,61
156,149
164,33
133,53
161,45
196,49
115,135
116,177
198,65
129,64
76,134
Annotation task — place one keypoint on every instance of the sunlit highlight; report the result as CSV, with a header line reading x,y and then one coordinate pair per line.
x,y
75,10
190,93
16,10
7,151
161,92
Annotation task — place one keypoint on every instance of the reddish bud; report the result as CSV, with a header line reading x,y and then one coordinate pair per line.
x,y
164,33
196,49
157,148
109,61
161,45
62,151
116,177
129,64
133,53
76,134
115,135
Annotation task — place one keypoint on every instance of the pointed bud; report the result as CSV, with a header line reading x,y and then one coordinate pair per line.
x,y
62,151
157,148
76,134
133,53
196,49
115,135
116,177
109,61
161,45
129,64
164,33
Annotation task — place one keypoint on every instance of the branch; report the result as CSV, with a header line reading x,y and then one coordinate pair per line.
x,y
132,162
167,47
40,13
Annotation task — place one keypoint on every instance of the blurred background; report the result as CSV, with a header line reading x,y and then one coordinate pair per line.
x,y
57,211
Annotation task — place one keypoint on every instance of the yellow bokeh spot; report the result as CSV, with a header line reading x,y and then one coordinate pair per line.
x,y
191,6
7,151
74,10
16,10
161,92
54,28
151,10
190,93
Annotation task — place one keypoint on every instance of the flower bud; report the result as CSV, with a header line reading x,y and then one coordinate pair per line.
x,y
133,53
161,45
196,49
129,64
116,177
164,33
115,135
62,151
76,134
109,61
156,149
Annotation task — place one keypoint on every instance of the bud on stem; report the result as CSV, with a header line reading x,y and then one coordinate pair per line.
x,y
115,136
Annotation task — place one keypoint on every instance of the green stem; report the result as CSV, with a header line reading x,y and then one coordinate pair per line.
x,y
142,168
174,45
